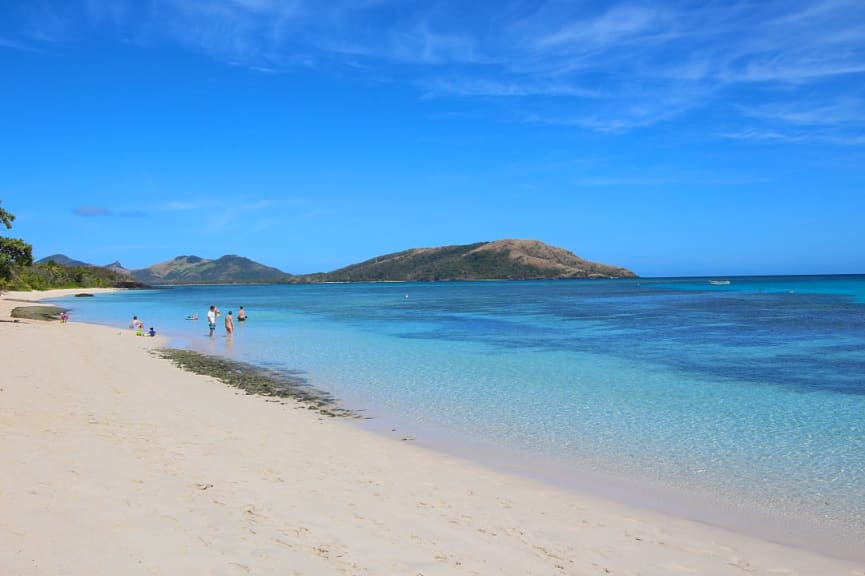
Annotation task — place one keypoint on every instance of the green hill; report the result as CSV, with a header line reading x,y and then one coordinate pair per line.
x,y
62,260
58,271
499,260
194,270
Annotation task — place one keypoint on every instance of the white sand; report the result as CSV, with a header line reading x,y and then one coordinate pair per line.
x,y
115,462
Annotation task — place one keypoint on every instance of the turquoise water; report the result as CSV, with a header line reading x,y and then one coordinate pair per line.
x,y
751,394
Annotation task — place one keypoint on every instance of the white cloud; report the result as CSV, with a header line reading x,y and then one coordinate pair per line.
x,y
791,137
185,206
422,46
91,211
620,24
16,45
624,65
836,112
240,205
475,86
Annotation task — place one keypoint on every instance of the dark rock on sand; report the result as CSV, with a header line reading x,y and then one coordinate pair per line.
x,y
84,295
38,312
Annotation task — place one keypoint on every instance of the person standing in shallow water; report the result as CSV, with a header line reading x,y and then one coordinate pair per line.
x,y
211,318
241,314
229,324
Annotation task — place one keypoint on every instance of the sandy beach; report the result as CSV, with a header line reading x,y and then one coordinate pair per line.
x,y
115,461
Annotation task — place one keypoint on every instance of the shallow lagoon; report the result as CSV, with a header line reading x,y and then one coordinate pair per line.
x,y
749,395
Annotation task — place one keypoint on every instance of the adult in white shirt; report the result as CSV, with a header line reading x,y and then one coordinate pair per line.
x,y
212,315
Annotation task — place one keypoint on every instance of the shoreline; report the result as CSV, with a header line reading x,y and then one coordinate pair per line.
x,y
650,495
646,494
130,445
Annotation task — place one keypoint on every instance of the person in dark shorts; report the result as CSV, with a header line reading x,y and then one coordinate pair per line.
x,y
212,314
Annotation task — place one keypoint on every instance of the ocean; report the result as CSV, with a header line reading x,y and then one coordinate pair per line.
x,y
739,404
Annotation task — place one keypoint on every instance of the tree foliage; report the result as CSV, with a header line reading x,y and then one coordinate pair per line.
x,y
49,275
14,252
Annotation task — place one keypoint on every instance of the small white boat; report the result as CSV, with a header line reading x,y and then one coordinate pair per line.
x,y
719,282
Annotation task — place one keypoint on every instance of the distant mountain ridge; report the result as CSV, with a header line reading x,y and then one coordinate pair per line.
x,y
61,259
195,270
508,259
228,269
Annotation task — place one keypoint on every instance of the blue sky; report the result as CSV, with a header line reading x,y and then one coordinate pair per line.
x,y
672,138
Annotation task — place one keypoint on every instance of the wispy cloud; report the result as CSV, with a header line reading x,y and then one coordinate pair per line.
x,y
616,66
838,111
241,205
816,119
186,205
91,211
469,86
420,45
17,45
792,137
136,213
621,24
